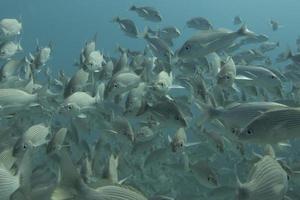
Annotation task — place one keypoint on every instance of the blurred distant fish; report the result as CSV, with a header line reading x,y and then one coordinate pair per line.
x,y
274,25
237,20
147,12
127,26
199,23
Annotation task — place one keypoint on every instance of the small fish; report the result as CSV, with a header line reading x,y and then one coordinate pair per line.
x,y
237,20
199,23
205,174
76,83
268,46
166,110
121,83
94,61
9,28
122,126
148,13
127,26
159,47
135,100
11,68
179,141
169,32
9,49
78,102
36,136
274,25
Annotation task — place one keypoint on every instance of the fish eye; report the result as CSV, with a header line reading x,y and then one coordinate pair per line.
x,y
249,132
177,118
181,144
116,85
288,177
227,77
187,47
24,146
69,107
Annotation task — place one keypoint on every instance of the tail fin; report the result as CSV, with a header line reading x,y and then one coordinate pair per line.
x,y
244,31
69,176
100,93
288,54
209,112
115,19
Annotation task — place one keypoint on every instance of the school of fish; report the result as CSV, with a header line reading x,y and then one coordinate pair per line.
x,y
216,118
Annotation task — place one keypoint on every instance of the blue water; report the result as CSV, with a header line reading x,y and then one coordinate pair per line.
x,y
69,23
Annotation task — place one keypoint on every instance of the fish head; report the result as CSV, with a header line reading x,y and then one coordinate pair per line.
x,y
225,80
189,50
69,109
20,147
177,145
254,131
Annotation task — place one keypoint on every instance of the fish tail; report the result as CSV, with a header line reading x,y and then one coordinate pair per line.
x,y
115,19
209,112
288,54
100,93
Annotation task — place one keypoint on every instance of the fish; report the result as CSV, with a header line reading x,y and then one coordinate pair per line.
x,y
199,23
238,115
71,186
268,46
204,174
271,127
122,82
147,12
267,180
9,28
274,25
11,68
9,49
127,26
237,20
206,42
56,142
76,83
179,141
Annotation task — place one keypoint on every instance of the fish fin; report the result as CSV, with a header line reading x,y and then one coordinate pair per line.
x,y
63,193
241,77
169,139
235,87
190,144
176,87
209,112
244,31
82,116
120,182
